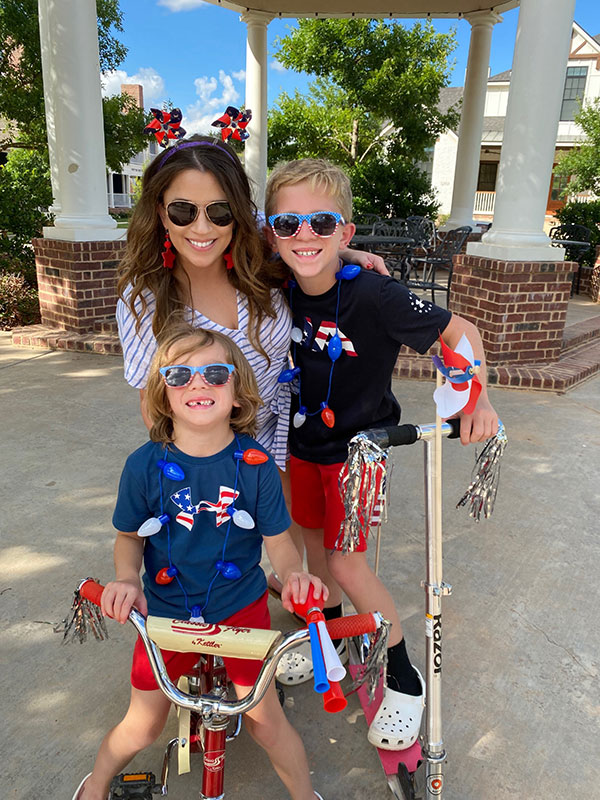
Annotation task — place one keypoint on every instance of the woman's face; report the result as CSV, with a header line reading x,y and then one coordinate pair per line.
x,y
201,243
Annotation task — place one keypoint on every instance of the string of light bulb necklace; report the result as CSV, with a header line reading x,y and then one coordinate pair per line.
x,y
227,569
334,351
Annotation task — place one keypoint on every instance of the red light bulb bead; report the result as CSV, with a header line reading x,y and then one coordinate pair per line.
x,y
251,456
165,575
327,415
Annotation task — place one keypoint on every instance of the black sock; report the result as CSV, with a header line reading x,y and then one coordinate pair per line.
x,y
333,613
401,675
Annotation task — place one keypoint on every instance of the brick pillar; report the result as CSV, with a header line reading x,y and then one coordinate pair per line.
x,y
519,307
77,282
594,285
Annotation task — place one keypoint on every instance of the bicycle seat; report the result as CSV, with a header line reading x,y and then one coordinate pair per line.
x,y
185,636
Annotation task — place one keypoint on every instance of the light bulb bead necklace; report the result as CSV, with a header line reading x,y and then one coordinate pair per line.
x,y
334,350
227,569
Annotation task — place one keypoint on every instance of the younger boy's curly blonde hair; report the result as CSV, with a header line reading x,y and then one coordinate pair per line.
x,y
179,340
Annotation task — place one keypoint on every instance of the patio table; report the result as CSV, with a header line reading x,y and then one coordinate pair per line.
x,y
393,248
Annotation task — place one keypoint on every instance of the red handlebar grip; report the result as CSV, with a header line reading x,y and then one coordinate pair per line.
x,y
92,591
355,625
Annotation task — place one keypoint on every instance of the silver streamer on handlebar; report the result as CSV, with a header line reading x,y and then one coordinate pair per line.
x,y
370,673
485,478
363,483
85,617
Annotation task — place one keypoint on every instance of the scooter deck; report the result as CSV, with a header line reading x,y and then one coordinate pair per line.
x,y
390,759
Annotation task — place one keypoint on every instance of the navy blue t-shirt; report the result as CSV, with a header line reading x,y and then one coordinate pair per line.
x,y
198,527
376,316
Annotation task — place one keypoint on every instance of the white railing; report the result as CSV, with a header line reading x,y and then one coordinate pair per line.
x,y
484,202
584,197
119,200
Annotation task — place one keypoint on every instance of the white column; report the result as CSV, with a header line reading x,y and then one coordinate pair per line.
x,y
71,67
255,149
530,128
47,70
471,120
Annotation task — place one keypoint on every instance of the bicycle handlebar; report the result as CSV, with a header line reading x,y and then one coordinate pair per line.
x,y
344,627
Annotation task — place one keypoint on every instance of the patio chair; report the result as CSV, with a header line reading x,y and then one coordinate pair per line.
x,y
393,254
439,259
364,223
424,233
576,241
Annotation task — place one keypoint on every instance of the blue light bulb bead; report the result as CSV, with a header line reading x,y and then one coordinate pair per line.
x,y
334,347
348,272
288,375
171,470
229,570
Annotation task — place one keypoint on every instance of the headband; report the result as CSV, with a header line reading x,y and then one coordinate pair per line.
x,y
181,145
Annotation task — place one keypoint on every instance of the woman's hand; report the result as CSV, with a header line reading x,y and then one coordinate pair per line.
x,y
119,597
296,587
365,260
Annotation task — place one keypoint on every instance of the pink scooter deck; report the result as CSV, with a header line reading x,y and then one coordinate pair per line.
x,y
390,759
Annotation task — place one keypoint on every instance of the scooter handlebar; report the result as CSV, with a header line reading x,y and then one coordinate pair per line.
x,y
396,435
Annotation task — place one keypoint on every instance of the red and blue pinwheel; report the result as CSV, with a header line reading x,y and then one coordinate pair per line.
x,y
233,123
166,125
462,388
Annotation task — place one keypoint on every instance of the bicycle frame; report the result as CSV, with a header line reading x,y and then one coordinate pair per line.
x,y
214,710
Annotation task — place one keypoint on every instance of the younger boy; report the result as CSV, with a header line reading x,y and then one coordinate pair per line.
x,y
344,387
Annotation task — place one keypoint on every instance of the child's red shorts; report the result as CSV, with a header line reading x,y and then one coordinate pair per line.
x,y
316,501
241,671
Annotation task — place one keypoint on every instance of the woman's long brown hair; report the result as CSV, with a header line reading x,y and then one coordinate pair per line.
x,y
142,267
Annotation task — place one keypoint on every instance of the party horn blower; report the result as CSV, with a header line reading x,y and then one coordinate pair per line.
x,y
328,669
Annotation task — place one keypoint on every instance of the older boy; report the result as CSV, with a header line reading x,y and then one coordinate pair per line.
x,y
348,329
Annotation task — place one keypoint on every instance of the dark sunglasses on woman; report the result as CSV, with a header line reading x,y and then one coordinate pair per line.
x,y
184,212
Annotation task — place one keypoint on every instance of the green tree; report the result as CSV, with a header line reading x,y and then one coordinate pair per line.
x,y
21,87
372,108
582,163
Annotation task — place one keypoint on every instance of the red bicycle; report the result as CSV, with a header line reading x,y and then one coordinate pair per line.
x,y
207,718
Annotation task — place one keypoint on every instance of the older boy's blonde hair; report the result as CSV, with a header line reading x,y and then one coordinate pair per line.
x,y
181,339
322,176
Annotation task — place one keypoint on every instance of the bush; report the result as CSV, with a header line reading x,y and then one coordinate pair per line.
x,y
18,302
588,215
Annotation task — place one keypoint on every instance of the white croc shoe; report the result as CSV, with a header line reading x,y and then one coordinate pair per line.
x,y
297,667
80,787
398,720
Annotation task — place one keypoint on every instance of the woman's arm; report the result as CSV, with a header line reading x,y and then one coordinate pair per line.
x,y
364,260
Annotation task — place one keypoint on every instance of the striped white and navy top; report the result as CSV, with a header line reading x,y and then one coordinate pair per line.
x,y
273,416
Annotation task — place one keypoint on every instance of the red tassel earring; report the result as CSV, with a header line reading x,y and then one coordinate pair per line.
x,y
228,257
168,256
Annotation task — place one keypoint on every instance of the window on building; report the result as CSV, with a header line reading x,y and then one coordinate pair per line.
x,y
559,183
573,93
486,182
117,184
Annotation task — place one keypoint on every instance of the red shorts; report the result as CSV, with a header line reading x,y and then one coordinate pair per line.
x,y
316,501
242,671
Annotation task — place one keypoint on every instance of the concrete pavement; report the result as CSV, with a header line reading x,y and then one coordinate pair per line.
x,y
521,696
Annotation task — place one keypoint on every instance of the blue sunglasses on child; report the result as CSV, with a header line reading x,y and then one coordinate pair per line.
x,y
179,375
321,223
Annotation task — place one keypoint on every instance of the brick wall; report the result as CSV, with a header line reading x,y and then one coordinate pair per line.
x,y
519,308
77,282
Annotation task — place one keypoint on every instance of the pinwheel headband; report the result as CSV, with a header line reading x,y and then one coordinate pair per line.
x,y
181,145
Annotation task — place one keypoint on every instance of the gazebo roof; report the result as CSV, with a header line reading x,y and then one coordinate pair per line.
x,y
376,8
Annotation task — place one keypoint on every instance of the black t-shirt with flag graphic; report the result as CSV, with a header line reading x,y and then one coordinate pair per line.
x,y
376,316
